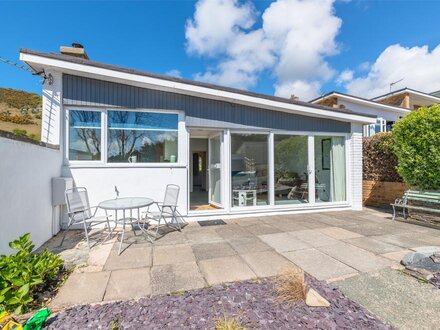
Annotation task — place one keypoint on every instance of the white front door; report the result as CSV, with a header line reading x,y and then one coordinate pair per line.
x,y
215,169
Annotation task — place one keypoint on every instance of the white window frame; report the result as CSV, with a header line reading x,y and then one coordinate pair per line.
x,y
181,139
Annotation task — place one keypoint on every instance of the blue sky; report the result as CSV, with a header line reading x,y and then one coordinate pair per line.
x,y
153,36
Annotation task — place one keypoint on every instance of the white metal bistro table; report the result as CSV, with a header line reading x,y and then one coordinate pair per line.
x,y
126,204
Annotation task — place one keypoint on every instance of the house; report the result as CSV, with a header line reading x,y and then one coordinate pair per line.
x,y
387,114
232,152
409,98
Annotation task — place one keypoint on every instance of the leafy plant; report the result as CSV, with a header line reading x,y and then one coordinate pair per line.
x,y
417,146
19,131
22,273
379,160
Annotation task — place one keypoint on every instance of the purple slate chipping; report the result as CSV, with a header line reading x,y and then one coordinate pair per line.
x,y
251,301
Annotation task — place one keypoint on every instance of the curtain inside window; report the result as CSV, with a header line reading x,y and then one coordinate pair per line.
x,y
337,156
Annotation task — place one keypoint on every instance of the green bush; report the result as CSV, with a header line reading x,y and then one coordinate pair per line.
x,y
417,146
379,159
23,273
19,131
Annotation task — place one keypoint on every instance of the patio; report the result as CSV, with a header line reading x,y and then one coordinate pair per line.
x,y
331,246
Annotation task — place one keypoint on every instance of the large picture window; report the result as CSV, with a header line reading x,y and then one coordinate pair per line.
x,y
84,135
141,137
249,169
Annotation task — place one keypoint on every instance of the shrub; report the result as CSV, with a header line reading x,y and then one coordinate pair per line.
x,y
23,273
19,131
417,146
379,159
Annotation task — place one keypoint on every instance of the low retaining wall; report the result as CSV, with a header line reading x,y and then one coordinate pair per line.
x,y
381,193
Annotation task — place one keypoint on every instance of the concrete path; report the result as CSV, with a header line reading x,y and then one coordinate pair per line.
x,y
395,298
329,246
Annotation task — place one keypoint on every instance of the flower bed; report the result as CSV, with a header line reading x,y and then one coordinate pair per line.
x,y
252,303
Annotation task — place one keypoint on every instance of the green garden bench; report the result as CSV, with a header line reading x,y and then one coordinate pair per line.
x,y
430,199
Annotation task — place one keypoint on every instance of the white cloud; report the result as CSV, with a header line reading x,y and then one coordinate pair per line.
x,y
292,43
418,66
215,24
345,76
174,73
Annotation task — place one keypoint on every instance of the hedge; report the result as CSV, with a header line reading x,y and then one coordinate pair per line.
x,y
417,146
379,160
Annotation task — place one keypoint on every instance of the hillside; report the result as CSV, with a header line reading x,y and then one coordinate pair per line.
x,y
20,112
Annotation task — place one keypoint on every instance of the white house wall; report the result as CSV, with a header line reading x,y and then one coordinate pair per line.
x,y
355,166
140,181
386,114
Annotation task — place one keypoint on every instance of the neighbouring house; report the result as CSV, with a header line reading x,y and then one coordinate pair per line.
x,y
409,98
387,114
232,152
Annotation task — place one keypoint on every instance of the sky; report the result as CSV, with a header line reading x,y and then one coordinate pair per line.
x,y
283,47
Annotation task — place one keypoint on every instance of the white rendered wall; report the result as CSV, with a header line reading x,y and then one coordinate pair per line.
x,y
355,163
26,171
51,111
131,182
386,114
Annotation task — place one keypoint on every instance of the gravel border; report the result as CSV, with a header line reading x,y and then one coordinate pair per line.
x,y
252,302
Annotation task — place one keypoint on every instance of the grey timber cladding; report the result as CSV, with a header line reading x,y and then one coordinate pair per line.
x,y
199,112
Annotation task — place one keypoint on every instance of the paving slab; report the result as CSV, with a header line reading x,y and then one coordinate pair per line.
x,y
244,222
202,235
128,284
172,236
232,231
248,245
227,269
176,278
374,245
173,254
396,298
312,223
284,242
131,257
289,225
82,288
397,255
263,229
373,229
319,265
212,250
400,240
429,239
339,233
355,257
266,263
313,238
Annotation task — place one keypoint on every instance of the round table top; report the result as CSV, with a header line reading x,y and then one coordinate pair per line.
x,y
125,203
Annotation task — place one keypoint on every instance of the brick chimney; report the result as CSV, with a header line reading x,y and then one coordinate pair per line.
x,y
76,50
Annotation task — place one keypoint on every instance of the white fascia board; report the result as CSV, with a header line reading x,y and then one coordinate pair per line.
x,y
372,104
188,89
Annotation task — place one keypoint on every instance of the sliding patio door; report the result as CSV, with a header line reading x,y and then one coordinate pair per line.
x,y
215,170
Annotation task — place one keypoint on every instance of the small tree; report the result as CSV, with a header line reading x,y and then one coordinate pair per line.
x,y
417,146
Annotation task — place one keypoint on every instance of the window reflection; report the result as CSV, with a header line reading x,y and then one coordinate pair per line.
x,y
142,137
84,135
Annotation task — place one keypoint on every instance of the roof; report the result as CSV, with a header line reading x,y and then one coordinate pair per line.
x,y
360,100
407,90
100,65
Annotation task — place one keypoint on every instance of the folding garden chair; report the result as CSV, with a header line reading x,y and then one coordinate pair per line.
x,y
80,212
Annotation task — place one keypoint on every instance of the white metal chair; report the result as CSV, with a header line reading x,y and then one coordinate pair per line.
x,y
166,209
80,212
